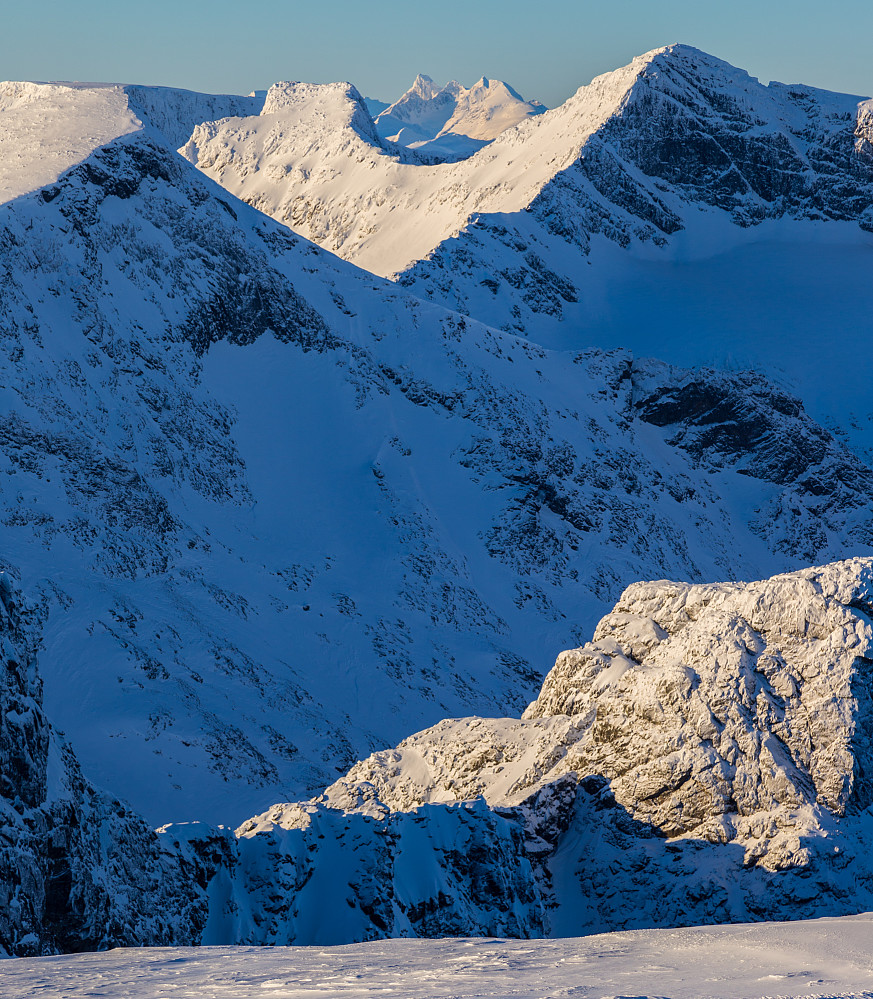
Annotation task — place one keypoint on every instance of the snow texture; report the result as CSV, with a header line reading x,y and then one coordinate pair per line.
x,y
821,959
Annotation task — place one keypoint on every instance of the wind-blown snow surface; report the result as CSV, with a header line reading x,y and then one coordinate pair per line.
x,y
820,959
244,475
47,128
675,207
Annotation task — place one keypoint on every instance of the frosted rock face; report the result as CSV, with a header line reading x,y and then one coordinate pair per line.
x,y
78,869
706,758
724,728
716,710
309,874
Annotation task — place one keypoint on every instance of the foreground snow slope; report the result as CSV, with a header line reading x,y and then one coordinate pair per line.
x,y
675,207
820,959
280,512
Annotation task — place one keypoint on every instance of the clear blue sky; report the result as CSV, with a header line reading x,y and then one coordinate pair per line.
x,y
545,49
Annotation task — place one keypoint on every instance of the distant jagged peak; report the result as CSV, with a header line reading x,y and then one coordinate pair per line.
x,y
453,121
423,86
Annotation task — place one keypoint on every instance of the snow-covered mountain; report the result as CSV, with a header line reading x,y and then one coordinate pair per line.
x,y
266,512
671,196
245,475
452,122
706,758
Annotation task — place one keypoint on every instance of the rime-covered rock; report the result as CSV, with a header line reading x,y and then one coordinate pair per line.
x,y
723,728
308,874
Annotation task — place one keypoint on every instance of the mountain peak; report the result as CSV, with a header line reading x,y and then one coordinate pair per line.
x,y
423,86
452,121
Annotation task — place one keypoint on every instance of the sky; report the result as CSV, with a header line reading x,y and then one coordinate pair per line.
x,y
544,48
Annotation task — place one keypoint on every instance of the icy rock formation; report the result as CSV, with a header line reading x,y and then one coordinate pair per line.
x,y
307,874
723,727
78,869
707,757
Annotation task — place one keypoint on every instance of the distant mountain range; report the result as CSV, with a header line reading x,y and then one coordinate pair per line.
x,y
452,122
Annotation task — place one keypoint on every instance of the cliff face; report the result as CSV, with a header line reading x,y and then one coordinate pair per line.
x,y
707,757
78,869
723,732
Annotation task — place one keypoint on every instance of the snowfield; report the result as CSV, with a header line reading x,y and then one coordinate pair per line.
x,y
818,959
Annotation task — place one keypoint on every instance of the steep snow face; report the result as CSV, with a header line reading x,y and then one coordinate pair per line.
x,y
452,122
244,475
175,113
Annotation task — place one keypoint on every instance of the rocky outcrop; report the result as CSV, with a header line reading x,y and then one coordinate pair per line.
x,y
310,874
79,870
724,731
707,757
